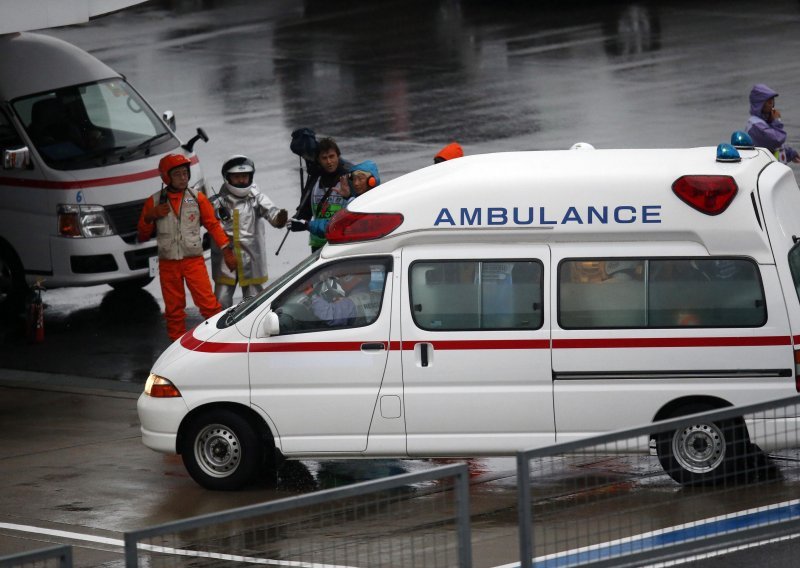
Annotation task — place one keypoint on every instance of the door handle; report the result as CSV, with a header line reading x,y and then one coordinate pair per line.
x,y
375,346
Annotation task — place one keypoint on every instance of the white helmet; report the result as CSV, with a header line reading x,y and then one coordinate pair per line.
x,y
581,146
238,164
330,289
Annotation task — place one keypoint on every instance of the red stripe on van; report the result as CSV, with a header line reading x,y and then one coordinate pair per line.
x,y
189,342
752,341
477,344
83,184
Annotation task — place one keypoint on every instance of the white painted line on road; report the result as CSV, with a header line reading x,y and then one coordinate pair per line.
x,y
165,550
63,534
695,530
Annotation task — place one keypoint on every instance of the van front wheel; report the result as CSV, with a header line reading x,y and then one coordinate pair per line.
x,y
222,451
703,452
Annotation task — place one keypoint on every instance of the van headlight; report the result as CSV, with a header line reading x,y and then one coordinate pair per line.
x,y
159,387
83,221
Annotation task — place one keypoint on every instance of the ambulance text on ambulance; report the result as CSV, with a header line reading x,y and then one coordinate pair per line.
x,y
522,216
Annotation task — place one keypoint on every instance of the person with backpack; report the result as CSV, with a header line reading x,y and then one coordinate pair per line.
x,y
360,180
327,195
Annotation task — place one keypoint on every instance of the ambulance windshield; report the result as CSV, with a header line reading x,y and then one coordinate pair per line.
x,y
92,125
246,306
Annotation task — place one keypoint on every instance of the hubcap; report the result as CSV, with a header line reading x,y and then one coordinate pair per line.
x,y
699,448
218,450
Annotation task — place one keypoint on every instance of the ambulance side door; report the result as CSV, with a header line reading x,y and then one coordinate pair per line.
x,y
318,379
476,349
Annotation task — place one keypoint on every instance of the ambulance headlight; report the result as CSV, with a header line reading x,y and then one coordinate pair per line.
x,y
83,221
159,387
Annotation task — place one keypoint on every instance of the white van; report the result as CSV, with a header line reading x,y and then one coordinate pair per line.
x,y
503,302
80,150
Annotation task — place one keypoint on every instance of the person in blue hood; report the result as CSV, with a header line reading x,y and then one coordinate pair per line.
x,y
765,126
361,179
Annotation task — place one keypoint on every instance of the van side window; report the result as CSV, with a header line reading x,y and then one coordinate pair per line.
x,y
9,139
338,295
475,294
660,293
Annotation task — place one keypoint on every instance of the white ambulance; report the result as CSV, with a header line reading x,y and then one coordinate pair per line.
x,y
503,302
80,150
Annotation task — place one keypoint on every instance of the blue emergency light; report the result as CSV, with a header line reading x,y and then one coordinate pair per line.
x,y
727,153
741,140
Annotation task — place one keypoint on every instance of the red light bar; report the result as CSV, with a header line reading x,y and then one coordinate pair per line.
x,y
349,227
708,194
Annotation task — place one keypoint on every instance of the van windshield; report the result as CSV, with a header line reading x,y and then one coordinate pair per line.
x,y
92,125
247,305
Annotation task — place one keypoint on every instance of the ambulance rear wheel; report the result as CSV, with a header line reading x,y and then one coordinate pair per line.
x,y
222,450
13,288
703,452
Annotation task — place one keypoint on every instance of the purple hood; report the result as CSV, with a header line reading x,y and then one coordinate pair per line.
x,y
758,96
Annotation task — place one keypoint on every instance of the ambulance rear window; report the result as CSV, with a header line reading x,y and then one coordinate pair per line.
x,y
660,293
794,265
467,295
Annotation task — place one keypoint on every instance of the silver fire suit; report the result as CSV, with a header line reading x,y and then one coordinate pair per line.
x,y
246,228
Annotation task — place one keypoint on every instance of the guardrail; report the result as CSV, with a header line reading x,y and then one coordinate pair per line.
x,y
578,506
312,530
57,556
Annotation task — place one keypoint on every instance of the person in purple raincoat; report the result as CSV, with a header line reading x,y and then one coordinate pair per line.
x,y
765,126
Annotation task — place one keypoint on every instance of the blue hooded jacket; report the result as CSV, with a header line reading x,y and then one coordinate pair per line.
x,y
318,227
765,132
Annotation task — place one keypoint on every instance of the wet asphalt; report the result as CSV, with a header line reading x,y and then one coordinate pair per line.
x,y
392,81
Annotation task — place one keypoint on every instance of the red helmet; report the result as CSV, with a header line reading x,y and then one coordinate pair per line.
x,y
169,163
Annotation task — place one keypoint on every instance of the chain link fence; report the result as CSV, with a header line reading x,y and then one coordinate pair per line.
x,y
371,524
715,481
54,557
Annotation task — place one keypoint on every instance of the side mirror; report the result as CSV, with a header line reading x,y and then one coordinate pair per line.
x,y
201,134
169,118
17,158
269,326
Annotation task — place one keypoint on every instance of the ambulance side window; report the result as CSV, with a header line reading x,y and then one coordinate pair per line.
x,y
476,294
338,295
660,293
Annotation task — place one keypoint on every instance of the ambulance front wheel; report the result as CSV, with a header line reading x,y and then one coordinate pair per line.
x,y
222,450
703,453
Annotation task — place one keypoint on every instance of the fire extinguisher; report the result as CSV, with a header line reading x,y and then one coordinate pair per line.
x,y
36,315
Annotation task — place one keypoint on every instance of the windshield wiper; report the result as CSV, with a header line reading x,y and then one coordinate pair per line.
x,y
146,145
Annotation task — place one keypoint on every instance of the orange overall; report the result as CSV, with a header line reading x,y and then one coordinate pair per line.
x,y
189,269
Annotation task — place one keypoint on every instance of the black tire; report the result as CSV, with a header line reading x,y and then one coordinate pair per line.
x,y
703,453
13,288
222,450
131,285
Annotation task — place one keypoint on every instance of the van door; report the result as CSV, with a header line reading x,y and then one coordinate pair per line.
x,y
780,202
640,326
476,349
318,380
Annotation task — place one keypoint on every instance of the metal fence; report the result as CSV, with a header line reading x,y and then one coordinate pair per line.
x,y
57,557
720,480
364,524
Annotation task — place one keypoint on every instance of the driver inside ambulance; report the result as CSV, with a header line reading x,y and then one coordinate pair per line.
x,y
346,299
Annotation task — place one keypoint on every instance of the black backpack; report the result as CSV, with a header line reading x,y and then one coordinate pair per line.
x,y
304,144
